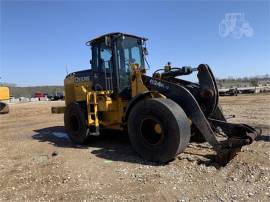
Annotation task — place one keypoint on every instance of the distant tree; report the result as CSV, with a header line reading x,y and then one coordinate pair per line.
x,y
30,91
220,85
8,84
254,82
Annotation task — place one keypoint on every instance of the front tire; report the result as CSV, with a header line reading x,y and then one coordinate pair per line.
x,y
76,123
158,129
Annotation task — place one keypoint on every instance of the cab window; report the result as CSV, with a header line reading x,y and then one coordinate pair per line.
x,y
101,58
129,50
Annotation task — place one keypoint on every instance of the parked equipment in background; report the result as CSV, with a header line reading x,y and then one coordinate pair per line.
x,y
4,98
159,112
228,92
39,95
58,96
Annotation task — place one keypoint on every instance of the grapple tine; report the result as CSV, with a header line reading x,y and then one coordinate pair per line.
x,y
224,156
229,148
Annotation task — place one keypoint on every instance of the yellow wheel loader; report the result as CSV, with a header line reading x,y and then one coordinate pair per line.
x,y
4,98
160,112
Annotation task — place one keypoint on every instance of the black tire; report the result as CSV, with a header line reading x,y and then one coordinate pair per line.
x,y
159,144
4,109
76,123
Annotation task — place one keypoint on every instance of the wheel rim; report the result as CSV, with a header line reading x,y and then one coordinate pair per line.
x,y
151,131
74,123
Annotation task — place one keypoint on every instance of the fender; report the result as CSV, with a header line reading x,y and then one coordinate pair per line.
x,y
139,97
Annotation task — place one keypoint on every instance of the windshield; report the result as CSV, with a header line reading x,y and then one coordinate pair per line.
x,y
129,50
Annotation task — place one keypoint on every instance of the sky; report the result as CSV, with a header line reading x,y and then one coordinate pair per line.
x,y
39,39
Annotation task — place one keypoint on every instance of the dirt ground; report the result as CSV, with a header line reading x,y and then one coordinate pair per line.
x,y
39,163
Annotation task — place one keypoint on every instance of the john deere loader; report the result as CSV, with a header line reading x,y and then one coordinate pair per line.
x,y
160,112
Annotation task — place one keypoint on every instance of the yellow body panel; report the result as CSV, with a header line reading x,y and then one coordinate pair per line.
x,y
4,93
76,91
137,85
98,103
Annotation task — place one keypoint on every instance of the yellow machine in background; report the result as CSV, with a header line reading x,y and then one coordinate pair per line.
x,y
4,98
160,112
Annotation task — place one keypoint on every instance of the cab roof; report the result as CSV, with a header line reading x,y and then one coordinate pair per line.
x,y
113,34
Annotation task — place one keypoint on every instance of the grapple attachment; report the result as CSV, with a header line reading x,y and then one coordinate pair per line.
x,y
237,136
200,101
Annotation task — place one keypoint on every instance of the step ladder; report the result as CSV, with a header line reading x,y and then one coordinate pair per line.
x,y
93,121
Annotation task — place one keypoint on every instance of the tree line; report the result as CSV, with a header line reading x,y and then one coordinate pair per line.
x,y
31,90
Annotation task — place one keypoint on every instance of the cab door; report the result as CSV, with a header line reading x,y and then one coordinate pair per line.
x,y
101,64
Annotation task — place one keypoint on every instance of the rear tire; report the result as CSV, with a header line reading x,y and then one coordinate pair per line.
x,y
76,124
158,129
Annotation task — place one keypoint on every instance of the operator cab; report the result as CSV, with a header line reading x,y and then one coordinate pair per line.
x,y
112,55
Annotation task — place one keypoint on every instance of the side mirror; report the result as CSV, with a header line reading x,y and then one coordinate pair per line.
x,y
90,61
145,51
